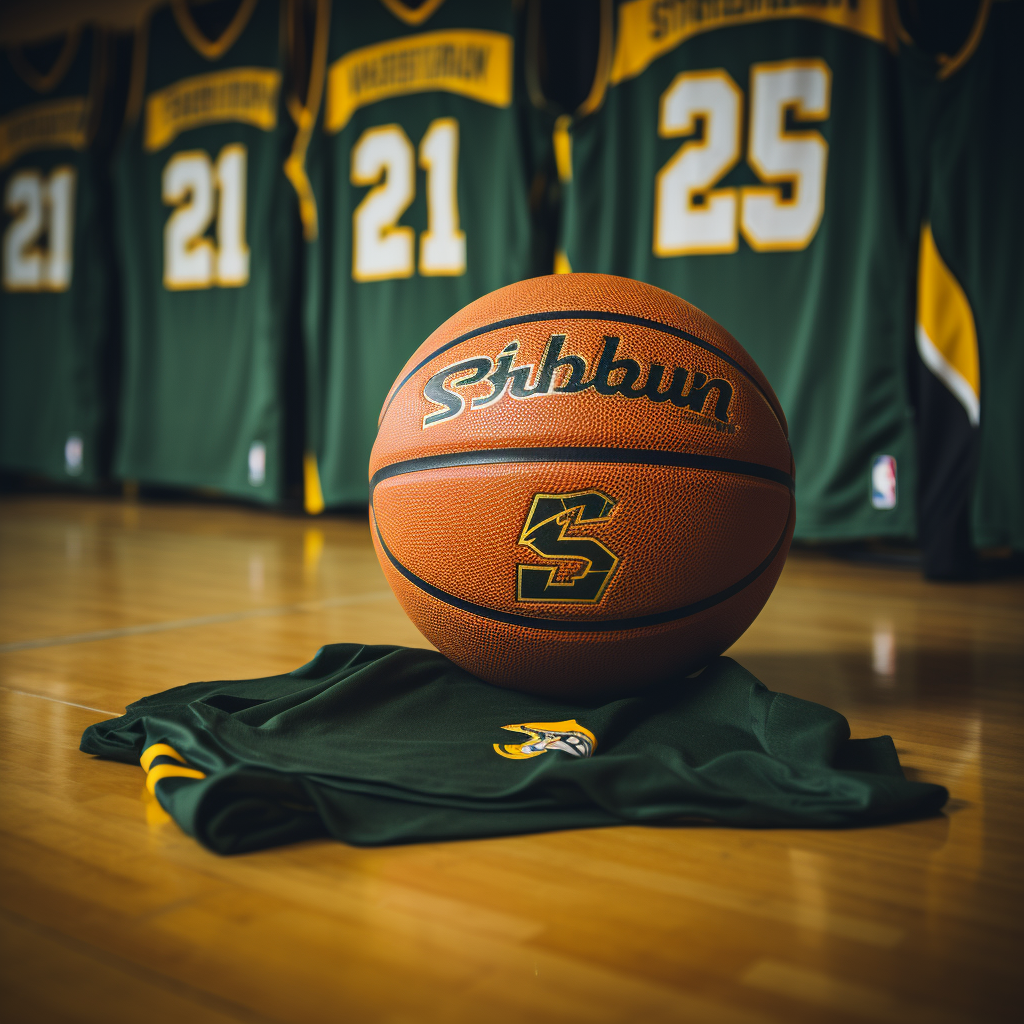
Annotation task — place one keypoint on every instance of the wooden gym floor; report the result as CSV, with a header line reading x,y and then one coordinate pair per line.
x,y
110,914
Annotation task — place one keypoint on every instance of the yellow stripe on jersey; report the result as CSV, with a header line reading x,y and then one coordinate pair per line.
x,y
562,265
304,115
53,124
469,62
154,773
167,771
314,495
561,141
150,754
947,339
246,95
650,28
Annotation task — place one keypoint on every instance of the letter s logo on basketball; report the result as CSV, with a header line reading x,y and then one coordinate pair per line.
x,y
546,533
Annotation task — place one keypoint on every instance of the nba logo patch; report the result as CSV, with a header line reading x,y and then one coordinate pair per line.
x,y
257,463
883,482
74,450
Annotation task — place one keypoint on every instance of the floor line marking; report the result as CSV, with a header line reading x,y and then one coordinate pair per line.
x,y
57,700
201,620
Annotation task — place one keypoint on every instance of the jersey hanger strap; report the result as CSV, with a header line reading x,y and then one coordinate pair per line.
x,y
212,49
412,15
51,79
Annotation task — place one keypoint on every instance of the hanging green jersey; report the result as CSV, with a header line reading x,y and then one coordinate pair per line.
x,y
206,233
747,157
420,169
970,309
378,745
55,300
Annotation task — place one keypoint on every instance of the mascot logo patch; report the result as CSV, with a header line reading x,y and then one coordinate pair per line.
x,y
570,737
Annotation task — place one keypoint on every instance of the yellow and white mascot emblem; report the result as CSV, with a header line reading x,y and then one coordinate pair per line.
x,y
570,737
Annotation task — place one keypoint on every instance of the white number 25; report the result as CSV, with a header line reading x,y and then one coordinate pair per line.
x,y
691,216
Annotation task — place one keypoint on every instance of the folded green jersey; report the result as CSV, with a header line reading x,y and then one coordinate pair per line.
x,y
378,745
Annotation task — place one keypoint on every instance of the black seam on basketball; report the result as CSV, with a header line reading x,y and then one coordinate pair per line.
x,y
599,626
632,456
576,314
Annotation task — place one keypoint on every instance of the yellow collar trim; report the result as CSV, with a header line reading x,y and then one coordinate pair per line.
x,y
410,15
47,82
216,48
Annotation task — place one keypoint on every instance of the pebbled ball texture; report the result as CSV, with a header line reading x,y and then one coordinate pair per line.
x,y
557,514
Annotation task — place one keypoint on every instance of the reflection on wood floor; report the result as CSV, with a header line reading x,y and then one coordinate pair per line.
x,y
111,914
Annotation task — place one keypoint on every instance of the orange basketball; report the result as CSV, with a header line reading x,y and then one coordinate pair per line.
x,y
581,484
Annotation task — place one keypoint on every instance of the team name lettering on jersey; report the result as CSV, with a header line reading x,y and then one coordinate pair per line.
x,y
55,124
245,95
649,28
690,391
469,62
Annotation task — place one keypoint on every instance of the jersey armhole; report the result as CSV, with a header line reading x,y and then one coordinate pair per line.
x,y
948,66
951,65
305,115
98,77
137,79
603,69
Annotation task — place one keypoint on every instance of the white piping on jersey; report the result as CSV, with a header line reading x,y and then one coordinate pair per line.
x,y
954,380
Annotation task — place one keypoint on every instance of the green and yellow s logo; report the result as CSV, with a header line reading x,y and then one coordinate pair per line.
x,y
546,533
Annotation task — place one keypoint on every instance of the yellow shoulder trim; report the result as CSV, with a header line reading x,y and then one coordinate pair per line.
x,y
53,77
947,339
167,771
561,142
412,15
562,265
305,115
604,63
150,754
951,65
215,48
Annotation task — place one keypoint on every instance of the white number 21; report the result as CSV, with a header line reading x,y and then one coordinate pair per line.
x,y
190,183
42,207
384,157
691,216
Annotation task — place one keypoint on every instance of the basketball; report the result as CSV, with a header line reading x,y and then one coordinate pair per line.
x,y
581,482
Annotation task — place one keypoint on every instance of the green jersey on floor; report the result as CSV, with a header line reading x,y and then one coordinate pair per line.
x,y
421,168
377,745
55,297
206,228
747,157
